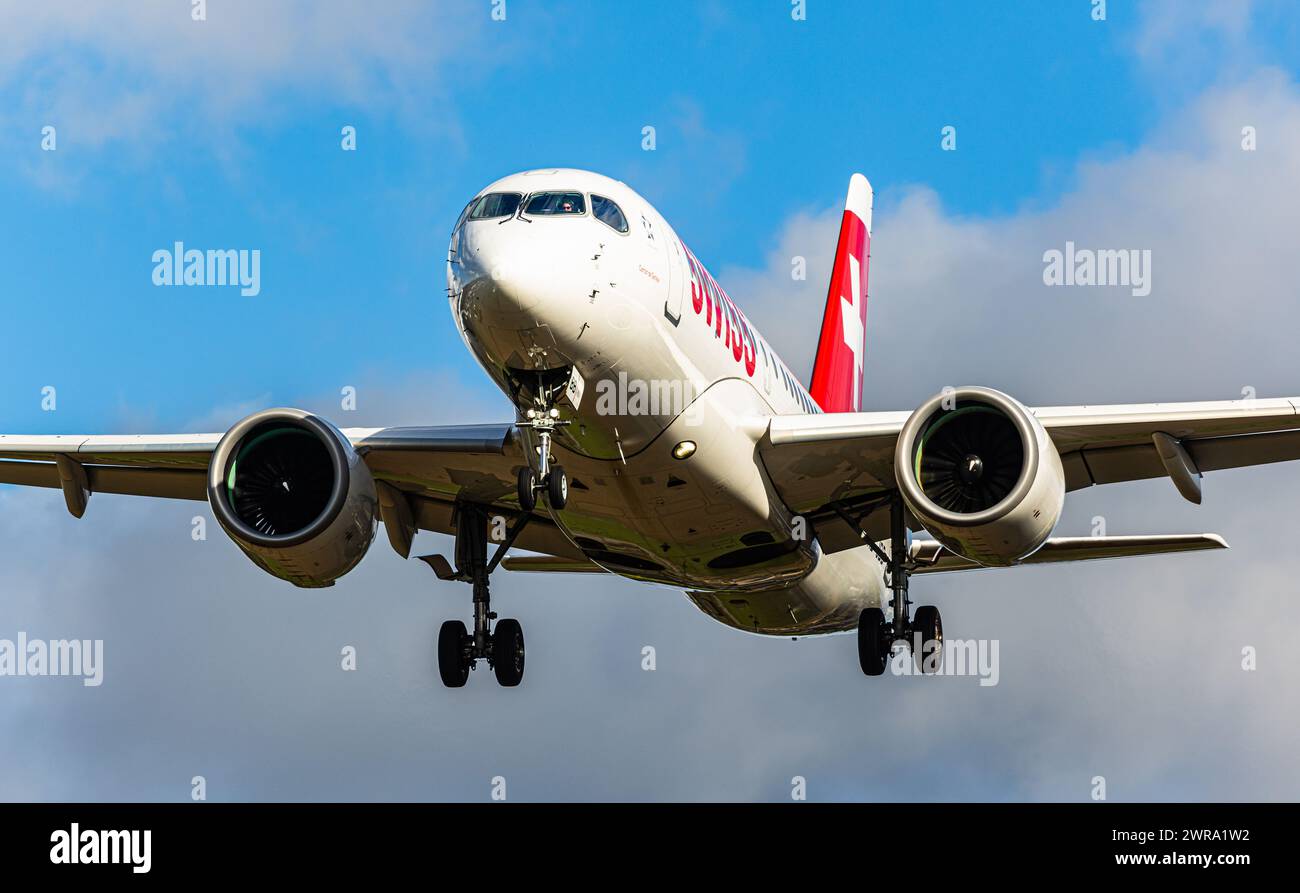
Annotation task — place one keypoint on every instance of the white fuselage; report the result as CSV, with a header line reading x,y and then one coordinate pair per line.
x,y
663,359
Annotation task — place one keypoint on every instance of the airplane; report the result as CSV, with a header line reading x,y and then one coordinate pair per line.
x,y
659,437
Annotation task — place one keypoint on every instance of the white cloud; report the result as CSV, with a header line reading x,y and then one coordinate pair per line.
x,y
1168,29
105,71
956,300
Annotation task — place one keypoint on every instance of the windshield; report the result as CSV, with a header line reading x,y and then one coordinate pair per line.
x,y
544,203
608,213
495,204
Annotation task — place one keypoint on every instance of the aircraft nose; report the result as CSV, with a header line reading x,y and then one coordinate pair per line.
x,y
521,267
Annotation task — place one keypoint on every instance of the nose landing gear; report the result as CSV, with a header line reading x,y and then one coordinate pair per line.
x,y
876,636
550,478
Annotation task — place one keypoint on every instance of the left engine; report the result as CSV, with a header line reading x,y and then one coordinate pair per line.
x,y
294,495
976,468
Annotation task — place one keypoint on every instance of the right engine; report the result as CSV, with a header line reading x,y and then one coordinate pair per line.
x,y
294,495
976,468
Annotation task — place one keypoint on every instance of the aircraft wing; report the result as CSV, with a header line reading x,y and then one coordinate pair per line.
x,y
819,461
931,557
420,472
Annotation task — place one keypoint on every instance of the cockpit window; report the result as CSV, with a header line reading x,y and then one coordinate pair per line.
x,y
544,203
608,213
460,221
495,204
464,214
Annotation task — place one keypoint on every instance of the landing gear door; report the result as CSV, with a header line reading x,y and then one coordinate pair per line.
x,y
573,389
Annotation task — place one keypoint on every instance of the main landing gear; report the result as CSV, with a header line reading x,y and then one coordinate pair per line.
x,y
502,647
923,634
459,650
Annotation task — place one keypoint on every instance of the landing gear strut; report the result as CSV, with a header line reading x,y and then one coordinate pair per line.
x,y
550,478
877,637
458,649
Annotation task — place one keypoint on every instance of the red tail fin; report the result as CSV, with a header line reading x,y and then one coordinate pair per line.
x,y
837,371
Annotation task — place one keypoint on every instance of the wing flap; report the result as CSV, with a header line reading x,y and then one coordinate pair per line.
x,y
1140,462
1218,453
165,483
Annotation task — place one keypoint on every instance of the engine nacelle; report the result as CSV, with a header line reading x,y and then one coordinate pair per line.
x,y
291,491
976,468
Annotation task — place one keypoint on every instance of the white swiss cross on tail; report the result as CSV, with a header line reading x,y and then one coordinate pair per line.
x,y
841,352
851,321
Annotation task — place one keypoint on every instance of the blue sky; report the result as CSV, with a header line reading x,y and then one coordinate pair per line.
x,y
758,116
226,134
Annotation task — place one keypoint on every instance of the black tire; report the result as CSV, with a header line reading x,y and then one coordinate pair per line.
x,y
873,644
557,487
929,626
527,489
508,653
452,665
